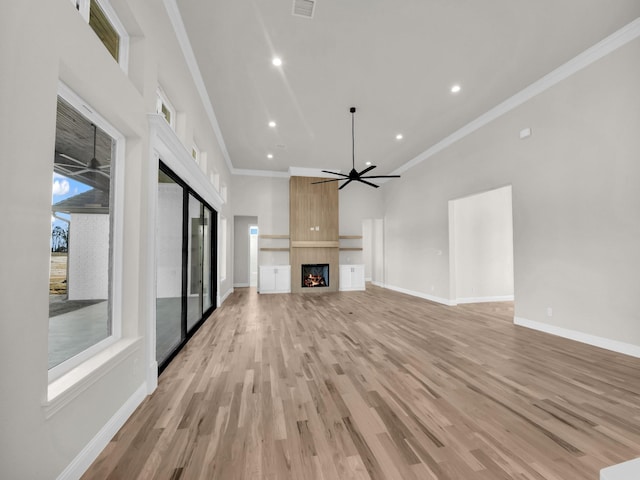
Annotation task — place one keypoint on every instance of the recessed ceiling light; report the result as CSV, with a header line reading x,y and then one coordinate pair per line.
x,y
270,155
272,124
367,163
276,61
455,89
399,136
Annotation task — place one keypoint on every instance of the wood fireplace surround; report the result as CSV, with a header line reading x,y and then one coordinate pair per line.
x,y
313,230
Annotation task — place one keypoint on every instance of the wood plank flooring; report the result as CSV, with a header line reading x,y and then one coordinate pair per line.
x,y
378,385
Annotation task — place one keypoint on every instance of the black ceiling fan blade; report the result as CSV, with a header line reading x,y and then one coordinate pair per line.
x,y
371,167
335,173
368,183
345,184
326,181
382,176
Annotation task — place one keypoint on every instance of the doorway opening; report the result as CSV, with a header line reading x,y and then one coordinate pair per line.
x,y
481,247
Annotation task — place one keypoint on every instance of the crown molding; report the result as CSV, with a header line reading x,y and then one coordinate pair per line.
x,y
611,43
185,45
259,173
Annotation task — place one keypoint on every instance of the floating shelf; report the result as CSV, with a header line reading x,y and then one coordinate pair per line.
x,y
351,249
314,244
274,249
274,236
350,237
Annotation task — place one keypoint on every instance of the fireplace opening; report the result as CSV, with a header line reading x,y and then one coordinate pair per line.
x,y
316,275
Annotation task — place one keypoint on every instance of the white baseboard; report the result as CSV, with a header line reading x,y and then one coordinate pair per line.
x,y
152,377
225,295
378,284
90,452
601,342
240,285
432,298
498,298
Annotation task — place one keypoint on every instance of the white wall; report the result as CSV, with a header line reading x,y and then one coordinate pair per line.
x,y
575,202
268,199
45,42
357,202
88,275
482,247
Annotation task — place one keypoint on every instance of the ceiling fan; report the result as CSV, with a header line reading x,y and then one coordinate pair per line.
x,y
92,166
354,174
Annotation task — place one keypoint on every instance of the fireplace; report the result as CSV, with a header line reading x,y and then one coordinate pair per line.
x,y
315,275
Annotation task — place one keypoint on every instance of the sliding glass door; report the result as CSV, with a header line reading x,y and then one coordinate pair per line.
x,y
185,287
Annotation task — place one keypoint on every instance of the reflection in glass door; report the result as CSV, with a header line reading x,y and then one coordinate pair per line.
x,y
184,264
195,237
169,267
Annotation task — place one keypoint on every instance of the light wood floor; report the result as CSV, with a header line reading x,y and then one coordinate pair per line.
x,y
378,385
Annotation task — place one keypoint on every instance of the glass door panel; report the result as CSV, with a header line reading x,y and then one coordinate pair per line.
x,y
169,267
195,237
207,300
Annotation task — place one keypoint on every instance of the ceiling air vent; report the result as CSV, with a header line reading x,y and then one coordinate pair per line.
x,y
303,8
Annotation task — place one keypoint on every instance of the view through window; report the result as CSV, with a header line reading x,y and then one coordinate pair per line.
x,y
81,215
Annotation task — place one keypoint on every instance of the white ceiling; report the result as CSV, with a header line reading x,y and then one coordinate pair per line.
x,y
393,60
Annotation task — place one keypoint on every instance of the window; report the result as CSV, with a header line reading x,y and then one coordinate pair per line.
x,y
107,34
101,17
195,153
164,108
82,313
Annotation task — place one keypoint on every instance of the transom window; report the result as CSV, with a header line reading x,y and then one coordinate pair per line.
x,y
101,17
164,108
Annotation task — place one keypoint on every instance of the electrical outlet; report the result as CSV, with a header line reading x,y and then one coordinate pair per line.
x,y
549,312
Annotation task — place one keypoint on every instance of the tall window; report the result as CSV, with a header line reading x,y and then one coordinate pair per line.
x,y
82,219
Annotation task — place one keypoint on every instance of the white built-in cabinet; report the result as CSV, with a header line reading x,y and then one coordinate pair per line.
x,y
351,277
275,279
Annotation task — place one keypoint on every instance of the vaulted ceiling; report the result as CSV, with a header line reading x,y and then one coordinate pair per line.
x,y
396,61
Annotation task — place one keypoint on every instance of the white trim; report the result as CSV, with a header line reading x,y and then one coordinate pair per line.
x,y
425,296
498,298
378,284
63,390
614,41
183,39
601,342
241,285
97,444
